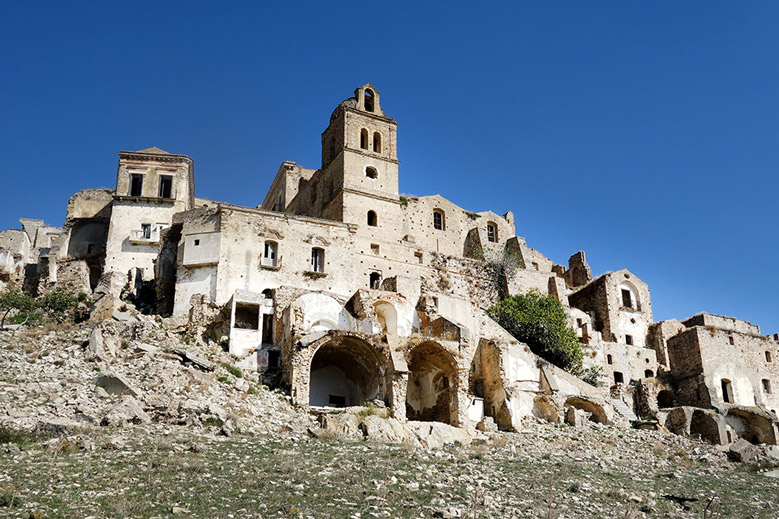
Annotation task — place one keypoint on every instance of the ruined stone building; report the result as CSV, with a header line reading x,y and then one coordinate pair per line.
x,y
343,292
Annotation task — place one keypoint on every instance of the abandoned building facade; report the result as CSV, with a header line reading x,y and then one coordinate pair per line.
x,y
345,292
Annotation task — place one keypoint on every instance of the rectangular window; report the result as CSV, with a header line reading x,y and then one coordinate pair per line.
x,y
146,230
768,357
627,301
629,340
269,256
727,391
438,221
318,260
618,378
375,248
418,256
267,328
766,386
136,184
166,186
492,234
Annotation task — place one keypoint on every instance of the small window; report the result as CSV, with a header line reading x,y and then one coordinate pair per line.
x,y
731,340
766,386
648,373
535,266
375,248
318,260
609,359
368,100
627,300
727,391
136,184
280,204
418,256
374,279
371,172
197,243
439,220
618,378
372,219
377,142
166,186
274,359
578,323
629,340
247,316
364,139
146,230
270,253
492,232
267,328
768,357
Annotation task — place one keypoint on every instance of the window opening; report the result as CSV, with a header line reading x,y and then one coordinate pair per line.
x,y
136,184
146,230
535,266
371,172
267,328
768,357
274,359
618,378
318,260
247,316
648,373
727,391
364,139
766,386
627,300
368,100
439,220
377,142
166,186
492,232
269,256
731,340
629,340
197,243
609,359
375,248
418,256
375,279
372,218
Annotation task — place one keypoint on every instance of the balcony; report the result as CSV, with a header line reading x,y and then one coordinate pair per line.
x,y
145,237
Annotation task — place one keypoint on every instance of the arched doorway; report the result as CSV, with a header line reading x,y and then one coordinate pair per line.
x,y
705,426
346,372
432,384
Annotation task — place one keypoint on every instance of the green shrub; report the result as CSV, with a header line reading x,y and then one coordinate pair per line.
x,y
232,370
540,322
213,421
58,303
593,376
14,299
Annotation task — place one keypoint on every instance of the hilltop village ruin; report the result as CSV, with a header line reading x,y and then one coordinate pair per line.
x,y
344,292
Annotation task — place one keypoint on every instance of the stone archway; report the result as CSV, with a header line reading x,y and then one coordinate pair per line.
x,y
346,371
597,413
432,384
704,425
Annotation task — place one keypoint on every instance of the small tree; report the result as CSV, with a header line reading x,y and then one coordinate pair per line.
x,y
502,264
14,299
540,322
58,303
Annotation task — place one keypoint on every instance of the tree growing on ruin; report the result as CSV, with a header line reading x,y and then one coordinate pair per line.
x,y
540,322
14,299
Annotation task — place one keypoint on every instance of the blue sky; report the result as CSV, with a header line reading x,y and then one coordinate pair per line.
x,y
644,133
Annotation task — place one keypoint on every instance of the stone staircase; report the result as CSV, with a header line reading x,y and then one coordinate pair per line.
x,y
623,409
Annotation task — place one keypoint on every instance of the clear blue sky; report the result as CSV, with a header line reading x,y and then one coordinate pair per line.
x,y
644,133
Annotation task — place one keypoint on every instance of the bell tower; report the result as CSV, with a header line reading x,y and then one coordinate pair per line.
x,y
359,157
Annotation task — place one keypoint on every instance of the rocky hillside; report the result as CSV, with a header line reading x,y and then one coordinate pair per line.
x,y
136,418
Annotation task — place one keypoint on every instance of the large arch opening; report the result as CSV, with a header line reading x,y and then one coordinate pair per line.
x,y
705,426
751,426
387,317
345,372
665,399
432,385
597,413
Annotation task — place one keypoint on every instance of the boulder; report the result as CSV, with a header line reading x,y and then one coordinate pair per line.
x,y
341,424
116,385
577,417
382,429
436,435
126,411
743,451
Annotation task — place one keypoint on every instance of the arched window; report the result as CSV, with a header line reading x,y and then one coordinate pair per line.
x,y
629,297
372,219
377,142
371,172
364,139
368,100
374,278
492,232
270,253
439,220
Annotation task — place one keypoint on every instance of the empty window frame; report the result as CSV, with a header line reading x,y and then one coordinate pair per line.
x,y
627,301
270,254
766,386
146,231
648,373
609,359
619,378
439,220
274,359
727,391
317,260
629,340
768,356
267,328
492,232
374,280
731,340
368,100
166,187
377,142
247,316
371,172
136,184
364,139
375,249
372,219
